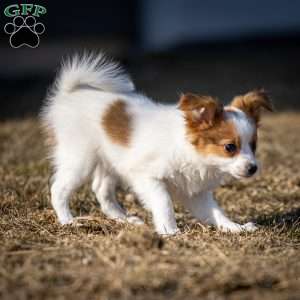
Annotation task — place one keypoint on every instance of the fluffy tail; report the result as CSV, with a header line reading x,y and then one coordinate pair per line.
x,y
95,71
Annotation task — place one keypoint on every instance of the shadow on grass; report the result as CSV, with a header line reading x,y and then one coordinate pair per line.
x,y
289,220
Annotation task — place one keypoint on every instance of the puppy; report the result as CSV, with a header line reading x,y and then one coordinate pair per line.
x,y
99,126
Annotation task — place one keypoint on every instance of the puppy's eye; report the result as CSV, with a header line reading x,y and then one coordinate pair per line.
x,y
253,146
230,148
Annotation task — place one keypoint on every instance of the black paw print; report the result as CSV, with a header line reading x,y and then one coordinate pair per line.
x,y
24,32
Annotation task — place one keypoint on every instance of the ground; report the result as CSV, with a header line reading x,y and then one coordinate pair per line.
x,y
103,259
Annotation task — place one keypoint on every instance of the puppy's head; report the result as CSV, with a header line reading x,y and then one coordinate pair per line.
x,y
225,136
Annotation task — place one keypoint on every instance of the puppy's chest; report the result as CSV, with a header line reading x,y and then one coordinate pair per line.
x,y
190,181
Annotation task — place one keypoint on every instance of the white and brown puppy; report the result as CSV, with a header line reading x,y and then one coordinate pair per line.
x,y
101,127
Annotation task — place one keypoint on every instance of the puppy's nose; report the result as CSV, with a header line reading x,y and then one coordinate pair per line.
x,y
251,169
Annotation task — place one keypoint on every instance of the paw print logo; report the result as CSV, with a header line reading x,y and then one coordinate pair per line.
x,y
24,32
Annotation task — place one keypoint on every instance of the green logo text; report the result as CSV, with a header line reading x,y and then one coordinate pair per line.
x,y
24,9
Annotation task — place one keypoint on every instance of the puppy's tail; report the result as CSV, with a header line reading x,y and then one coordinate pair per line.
x,y
92,70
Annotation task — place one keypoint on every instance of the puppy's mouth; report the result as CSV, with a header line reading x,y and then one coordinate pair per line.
x,y
242,176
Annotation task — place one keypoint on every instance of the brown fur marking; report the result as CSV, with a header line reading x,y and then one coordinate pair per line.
x,y
117,123
206,125
252,102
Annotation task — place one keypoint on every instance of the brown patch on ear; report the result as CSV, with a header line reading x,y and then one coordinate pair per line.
x,y
252,102
200,112
206,125
117,123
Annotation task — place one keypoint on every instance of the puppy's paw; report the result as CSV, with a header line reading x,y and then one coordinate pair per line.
x,y
167,230
134,220
66,220
83,221
237,228
231,227
249,227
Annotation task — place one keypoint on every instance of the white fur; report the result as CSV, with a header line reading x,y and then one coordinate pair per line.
x,y
159,164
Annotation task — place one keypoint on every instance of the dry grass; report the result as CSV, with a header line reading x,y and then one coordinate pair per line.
x,y
106,260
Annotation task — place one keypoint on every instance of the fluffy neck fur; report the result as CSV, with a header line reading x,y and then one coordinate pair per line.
x,y
190,171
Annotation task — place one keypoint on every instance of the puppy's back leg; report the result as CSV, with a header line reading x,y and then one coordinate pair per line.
x,y
69,175
104,187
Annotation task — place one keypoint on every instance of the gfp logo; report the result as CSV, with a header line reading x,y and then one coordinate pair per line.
x,y
24,30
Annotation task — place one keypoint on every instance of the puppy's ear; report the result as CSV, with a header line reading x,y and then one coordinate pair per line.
x,y
200,111
252,102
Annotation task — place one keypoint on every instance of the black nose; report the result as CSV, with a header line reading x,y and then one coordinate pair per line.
x,y
251,169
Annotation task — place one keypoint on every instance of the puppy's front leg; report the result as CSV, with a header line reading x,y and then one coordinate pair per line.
x,y
155,197
207,210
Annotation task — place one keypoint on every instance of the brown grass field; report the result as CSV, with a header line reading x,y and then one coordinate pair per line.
x,y
103,259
